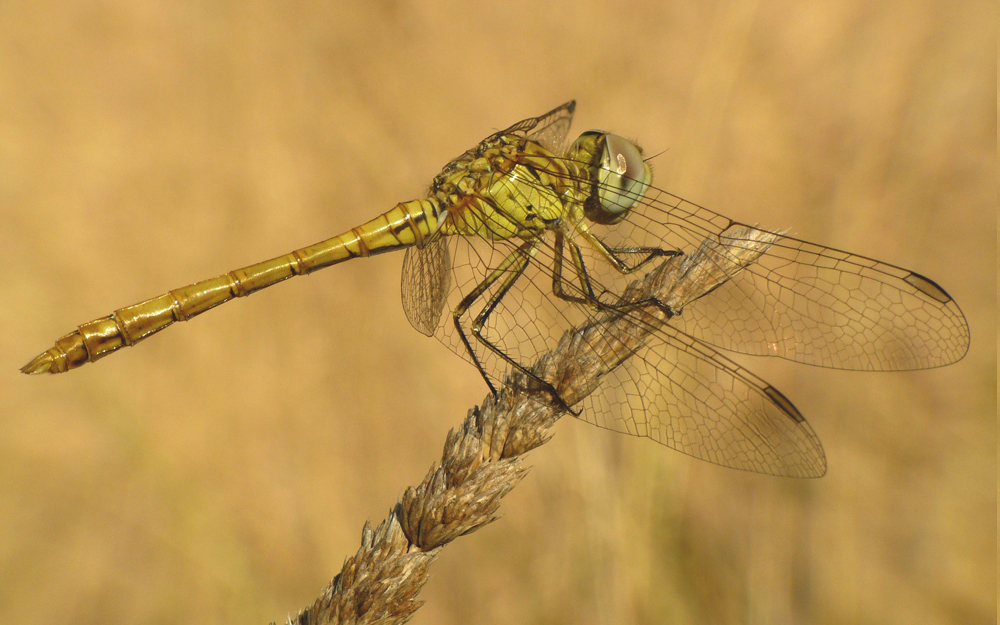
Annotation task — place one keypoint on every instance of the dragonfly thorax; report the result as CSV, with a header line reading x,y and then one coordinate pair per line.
x,y
504,188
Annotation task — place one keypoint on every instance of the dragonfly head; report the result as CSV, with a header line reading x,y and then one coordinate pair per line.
x,y
618,175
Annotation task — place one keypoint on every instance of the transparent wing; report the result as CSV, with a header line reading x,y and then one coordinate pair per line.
x,y
803,301
521,323
674,390
549,130
425,285
685,395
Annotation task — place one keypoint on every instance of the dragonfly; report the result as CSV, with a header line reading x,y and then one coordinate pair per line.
x,y
524,235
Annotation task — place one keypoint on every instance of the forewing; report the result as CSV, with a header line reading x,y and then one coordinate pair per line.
x,y
813,304
685,395
802,301
426,282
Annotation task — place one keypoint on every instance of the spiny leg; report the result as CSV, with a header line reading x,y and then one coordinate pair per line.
x,y
651,254
611,253
557,278
514,266
590,298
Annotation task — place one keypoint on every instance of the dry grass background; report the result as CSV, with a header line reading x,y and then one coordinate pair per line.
x,y
222,471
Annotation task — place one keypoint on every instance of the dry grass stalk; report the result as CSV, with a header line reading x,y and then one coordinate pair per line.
x,y
481,462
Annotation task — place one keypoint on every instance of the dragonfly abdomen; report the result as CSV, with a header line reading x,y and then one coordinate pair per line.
x,y
406,224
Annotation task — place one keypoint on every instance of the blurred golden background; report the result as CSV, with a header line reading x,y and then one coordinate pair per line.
x,y
222,471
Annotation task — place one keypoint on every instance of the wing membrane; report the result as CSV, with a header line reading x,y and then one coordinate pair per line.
x,y
549,130
685,395
803,301
426,282
673,390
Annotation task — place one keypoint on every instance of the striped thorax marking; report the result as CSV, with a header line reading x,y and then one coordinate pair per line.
x,y
502,189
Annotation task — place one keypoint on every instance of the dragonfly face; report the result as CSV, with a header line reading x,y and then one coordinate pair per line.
x,y
619,176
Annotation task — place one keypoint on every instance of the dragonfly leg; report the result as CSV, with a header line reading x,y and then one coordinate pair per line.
x,y
509,271
611,253
590,298
651,254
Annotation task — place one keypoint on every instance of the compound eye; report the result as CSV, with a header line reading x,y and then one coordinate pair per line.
x,y
623,178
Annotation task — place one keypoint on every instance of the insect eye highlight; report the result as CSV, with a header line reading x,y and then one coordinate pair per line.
x,y
622,177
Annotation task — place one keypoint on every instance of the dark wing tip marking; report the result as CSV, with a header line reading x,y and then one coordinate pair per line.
x,y
928,287
784,404
570,106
